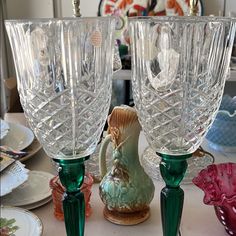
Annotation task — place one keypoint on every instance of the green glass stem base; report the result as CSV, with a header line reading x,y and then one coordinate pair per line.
x,y
71,173
172,170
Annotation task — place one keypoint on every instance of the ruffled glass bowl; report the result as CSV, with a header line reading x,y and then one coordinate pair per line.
x,y
218,181
222,134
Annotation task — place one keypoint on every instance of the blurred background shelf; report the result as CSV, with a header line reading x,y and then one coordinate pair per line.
x,y
122,74
232,76
126,75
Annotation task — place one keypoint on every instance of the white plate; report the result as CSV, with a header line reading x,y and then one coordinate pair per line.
x,y
18,138
4,128
28,223
35,189
31,150
37,204
12,177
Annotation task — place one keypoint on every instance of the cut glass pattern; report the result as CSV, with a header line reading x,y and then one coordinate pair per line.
x,y
64,70
180,65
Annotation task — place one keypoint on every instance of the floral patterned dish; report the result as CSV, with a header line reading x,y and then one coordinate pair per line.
x,y
19,222
146,7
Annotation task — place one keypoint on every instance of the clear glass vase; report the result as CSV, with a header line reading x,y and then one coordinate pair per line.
x,y
179,68
64,70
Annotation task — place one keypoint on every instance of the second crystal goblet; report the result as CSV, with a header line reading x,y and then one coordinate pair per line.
x,y
64,69
179,69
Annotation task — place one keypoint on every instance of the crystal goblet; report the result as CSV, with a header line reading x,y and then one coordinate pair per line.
x,y
179,67
64,69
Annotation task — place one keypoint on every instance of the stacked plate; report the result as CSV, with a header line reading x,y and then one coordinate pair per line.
x,y
12,177
19,138
33,193
16,136
19,186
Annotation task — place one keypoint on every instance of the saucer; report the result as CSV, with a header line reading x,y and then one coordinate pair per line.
x,y
18,138
25,223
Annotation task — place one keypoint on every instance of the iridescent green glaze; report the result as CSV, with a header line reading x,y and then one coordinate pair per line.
x,y
126,188
173,169
71,173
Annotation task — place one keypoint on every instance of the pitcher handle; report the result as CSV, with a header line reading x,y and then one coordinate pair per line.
x,y
102,156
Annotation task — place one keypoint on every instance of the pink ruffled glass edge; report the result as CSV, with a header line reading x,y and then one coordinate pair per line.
x,y
218,181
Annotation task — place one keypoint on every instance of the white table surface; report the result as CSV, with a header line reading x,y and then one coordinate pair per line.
x,y
197,219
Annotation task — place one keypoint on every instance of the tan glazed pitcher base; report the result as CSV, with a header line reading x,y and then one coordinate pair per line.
x,y
132,218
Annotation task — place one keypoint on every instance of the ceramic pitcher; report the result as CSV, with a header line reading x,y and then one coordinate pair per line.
x,y
126,190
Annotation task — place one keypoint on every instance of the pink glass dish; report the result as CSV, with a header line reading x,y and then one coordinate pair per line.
x,y
58,191
218,181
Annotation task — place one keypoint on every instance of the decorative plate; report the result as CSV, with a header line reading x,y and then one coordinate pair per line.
x,y
30,192
150,162
146,7
19,222
128,8
12,177
18,138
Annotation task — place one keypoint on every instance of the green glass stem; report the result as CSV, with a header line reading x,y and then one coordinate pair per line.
x,y
172,170
71,173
